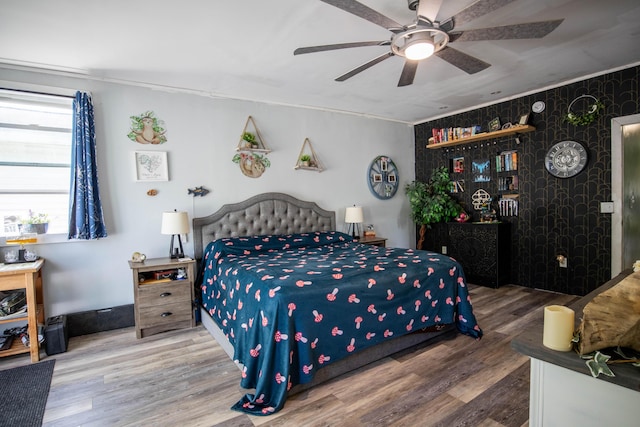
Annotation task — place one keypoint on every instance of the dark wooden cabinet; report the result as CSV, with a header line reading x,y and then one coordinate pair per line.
x,y
483,250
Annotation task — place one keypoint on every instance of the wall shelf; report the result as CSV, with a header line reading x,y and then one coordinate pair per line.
x,y
260,146
314,163
484,136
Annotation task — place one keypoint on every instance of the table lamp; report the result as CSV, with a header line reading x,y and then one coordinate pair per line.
x,y
175,223
354,217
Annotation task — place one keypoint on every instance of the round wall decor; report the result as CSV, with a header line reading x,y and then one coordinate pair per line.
x,y
383,177
538,107
566,159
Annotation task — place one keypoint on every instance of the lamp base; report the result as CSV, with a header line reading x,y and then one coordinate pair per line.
x,y
175,253
355,231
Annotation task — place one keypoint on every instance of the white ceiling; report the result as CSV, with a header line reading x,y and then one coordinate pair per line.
x,y
244,50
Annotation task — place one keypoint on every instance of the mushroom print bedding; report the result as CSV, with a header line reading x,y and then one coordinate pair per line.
x,y
291,304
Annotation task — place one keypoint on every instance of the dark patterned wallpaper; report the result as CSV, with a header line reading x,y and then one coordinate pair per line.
x,y
556,216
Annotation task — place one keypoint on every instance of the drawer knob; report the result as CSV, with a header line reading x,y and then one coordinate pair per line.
x,y
165,294
166,314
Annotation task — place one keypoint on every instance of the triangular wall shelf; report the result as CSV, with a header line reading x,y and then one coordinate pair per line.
x,y
259,146
314,163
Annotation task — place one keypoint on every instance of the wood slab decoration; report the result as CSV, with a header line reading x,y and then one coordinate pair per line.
x,y
612,318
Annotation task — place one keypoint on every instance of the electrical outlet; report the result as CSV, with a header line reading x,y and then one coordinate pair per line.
x,y
444,250
606,207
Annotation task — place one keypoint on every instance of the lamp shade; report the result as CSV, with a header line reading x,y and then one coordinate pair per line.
x,y
354,215
175,223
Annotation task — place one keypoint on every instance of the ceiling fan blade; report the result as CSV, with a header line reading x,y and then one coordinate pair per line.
x,y
478,9
466,63
365,12
531,30
363,67
408,73
429,9
322,48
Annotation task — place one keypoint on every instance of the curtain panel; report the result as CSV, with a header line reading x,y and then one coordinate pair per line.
x,y
86,220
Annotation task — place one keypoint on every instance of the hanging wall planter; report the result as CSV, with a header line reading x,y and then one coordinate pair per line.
x,y
252,151
588,115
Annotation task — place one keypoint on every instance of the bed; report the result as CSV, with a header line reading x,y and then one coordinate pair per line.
x,y
294,302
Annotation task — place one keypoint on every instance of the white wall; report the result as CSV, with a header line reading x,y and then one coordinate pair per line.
x,y
202,134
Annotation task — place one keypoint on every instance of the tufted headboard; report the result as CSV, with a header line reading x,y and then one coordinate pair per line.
x,y
267,213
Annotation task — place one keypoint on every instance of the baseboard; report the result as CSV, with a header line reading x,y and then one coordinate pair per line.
x,y
106,319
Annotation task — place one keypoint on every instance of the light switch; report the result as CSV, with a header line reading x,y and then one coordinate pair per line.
x,y
606,207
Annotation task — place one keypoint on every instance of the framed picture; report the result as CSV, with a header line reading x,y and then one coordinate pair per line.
x,y
481,171
377,177
458,164
391,178
524,119
494,124
151,166
383,165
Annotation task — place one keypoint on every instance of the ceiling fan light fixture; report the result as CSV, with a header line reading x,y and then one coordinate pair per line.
x,y
419,48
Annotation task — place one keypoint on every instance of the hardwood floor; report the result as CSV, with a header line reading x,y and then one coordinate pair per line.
x,y
184,378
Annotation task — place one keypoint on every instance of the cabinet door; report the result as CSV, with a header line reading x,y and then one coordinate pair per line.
x,y
482,250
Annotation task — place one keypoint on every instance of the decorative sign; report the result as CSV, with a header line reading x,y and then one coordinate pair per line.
x,y
147,129
151,166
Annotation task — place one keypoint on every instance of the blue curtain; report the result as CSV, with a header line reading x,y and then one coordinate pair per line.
x,y
86,220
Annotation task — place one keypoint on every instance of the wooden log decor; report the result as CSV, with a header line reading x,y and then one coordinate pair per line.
x,y
612,318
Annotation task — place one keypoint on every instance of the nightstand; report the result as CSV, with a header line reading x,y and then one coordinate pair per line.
x,y
374,241
163,294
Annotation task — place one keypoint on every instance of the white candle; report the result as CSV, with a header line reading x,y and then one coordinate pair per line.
x,y
558,327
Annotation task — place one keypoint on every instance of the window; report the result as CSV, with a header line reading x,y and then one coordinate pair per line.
x,y
35,153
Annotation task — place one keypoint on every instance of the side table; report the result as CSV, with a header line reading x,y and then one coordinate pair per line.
x,y
163,293
27,276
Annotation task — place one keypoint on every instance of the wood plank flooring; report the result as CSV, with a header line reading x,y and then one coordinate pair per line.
x,y
184,378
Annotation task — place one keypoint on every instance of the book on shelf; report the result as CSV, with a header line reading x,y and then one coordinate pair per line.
x,y
452,134
507,161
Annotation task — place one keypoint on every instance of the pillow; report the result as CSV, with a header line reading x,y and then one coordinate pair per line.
x,y
277,242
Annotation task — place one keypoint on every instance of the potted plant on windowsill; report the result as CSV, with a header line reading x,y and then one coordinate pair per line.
x,y
35,223
431,202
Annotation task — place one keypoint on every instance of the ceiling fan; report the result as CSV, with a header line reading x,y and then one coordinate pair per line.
x,y
426,36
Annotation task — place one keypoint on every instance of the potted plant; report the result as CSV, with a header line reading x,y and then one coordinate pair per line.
x,y
431,202
250,140
35,223
305,160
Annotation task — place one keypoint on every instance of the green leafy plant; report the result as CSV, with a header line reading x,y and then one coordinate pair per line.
x,y
585,118
598,362
431,202
250,138
305,158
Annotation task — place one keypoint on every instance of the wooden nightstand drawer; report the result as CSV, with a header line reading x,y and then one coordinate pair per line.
x,y
164,293
164,314
374,241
